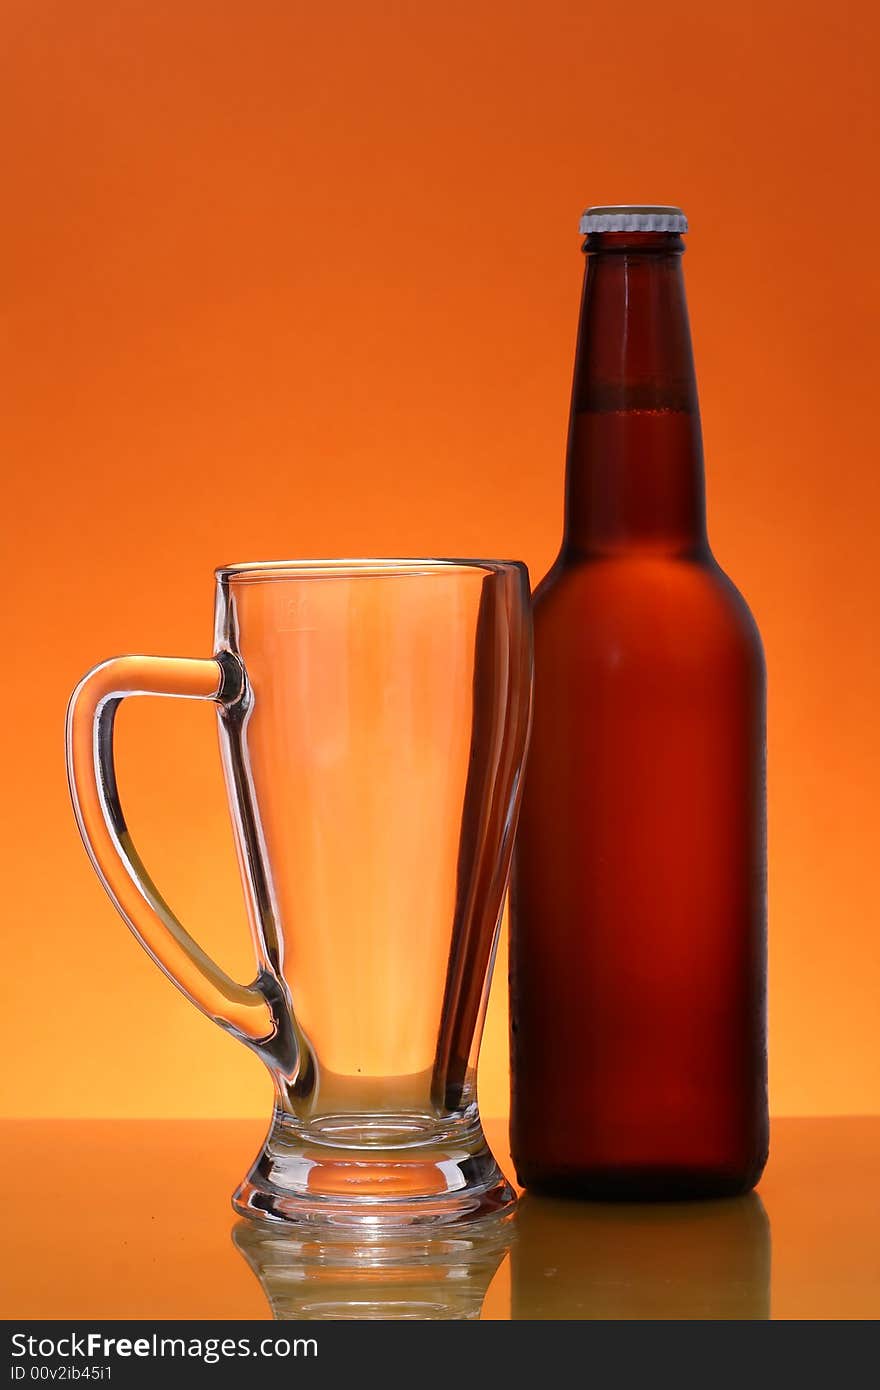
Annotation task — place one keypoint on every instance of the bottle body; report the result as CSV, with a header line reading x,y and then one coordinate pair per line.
x,y
638,922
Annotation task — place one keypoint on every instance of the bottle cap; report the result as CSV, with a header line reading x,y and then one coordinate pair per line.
x,y
630,218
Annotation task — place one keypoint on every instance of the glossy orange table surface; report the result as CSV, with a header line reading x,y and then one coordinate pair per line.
x,y
131,1219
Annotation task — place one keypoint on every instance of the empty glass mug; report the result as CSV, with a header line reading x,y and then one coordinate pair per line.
x,y
373,720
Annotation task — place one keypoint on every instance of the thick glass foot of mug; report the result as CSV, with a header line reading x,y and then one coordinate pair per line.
x,y
384,1172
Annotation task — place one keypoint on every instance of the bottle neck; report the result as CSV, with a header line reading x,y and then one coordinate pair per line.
x,y
634,473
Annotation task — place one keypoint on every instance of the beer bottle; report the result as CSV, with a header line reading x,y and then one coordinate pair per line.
x,y
638,922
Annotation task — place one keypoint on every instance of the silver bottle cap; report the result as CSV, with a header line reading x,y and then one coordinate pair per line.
x,y
630,218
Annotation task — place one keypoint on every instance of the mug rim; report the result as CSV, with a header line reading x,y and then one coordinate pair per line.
x,y
378,567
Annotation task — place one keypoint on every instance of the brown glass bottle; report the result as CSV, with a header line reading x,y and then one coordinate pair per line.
x,y
638,923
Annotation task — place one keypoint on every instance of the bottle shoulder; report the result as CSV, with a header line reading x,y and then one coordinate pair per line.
x,y
645,600
736,604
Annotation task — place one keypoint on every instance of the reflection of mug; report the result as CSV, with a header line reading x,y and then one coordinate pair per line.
x,y
689,1260
373,723
435,1275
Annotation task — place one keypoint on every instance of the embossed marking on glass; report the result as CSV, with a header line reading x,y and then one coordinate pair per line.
x,y
373,723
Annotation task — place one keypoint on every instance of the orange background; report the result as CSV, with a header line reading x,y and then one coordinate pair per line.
x,y
283,279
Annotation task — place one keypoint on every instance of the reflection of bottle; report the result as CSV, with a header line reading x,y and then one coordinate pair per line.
x,y
637,943
328,1275
689,1260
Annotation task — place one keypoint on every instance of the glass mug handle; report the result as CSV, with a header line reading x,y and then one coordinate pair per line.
x,y
244,1010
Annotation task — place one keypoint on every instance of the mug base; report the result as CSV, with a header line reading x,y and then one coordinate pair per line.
x,y
404,1171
